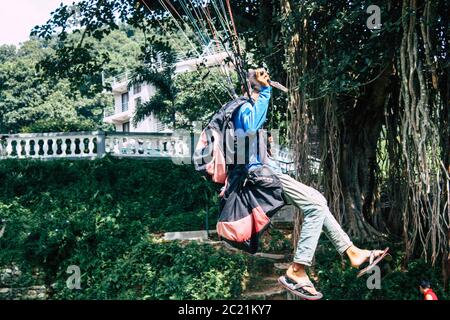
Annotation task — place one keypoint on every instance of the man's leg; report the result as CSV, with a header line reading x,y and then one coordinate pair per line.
x,y
336,234
317,215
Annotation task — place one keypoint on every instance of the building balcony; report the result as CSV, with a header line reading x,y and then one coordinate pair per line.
x,y
119,83
119,117
206,60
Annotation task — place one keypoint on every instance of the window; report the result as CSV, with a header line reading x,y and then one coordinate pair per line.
x,y
124,101
126,127
136,88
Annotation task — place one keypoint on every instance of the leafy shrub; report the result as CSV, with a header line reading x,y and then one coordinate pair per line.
x,y
152,192
275,241
338,281
159,270
99,215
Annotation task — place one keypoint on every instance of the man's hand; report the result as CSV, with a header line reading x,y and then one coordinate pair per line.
x,y
262,77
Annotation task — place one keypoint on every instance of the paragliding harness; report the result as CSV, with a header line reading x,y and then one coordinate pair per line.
x,y
250,197
212,155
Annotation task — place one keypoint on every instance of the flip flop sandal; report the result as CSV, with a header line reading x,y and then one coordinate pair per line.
x,y
297,288
373,261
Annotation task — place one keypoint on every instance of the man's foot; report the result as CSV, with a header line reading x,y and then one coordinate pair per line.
x,y
298,273
359,256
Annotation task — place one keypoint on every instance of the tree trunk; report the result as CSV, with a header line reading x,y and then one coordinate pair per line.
x,y
357,176
358,163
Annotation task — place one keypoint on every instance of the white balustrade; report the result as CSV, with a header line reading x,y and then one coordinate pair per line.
x,y
145,145
50,145
90,145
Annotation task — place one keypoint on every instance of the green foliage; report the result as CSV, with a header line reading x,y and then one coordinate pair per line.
x,y
155,270
344,53
157,69
201,94
39,95
337,280
99,215
81,25
181,98
276,241
31,103
146,190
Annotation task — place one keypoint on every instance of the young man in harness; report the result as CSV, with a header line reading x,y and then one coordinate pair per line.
x,y
247,120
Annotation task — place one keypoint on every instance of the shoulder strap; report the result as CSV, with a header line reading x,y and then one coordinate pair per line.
x,y
233,105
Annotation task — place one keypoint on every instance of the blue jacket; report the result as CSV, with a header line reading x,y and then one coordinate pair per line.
x,y
249,119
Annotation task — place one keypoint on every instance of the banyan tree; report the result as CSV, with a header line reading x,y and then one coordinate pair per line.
x,y
378,97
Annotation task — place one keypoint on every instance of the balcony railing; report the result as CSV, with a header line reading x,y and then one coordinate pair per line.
x,y
91,145
120,78
77,145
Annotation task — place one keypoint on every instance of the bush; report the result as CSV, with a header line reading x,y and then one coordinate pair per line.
x,y
338,281
154,192
99,215
276,241
159,270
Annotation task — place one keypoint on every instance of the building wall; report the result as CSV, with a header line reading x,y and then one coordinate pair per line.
x,y
150,124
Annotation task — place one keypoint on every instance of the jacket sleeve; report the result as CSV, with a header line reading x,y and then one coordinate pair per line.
x,y
253,117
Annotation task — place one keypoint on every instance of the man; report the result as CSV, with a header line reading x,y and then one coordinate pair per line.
x,y
425,289
317,216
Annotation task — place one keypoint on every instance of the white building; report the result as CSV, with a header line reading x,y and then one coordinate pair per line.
x,y
125,100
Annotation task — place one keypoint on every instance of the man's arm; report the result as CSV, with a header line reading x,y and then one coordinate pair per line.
x,y
253,117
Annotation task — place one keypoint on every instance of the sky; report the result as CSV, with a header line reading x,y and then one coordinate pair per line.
x,y
18,17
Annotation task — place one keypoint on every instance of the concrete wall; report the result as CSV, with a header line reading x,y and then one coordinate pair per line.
x,y
150,124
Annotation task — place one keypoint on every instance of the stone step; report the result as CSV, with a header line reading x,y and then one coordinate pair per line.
x,y
281,268
264,288
199,235
271,294
285,215
263,255
272,256
291,296
270,290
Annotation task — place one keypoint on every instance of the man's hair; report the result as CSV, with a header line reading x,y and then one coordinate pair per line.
x,y
251,77
425,284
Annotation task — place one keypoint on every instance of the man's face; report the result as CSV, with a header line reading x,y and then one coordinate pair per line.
x,y
261,72
262,76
